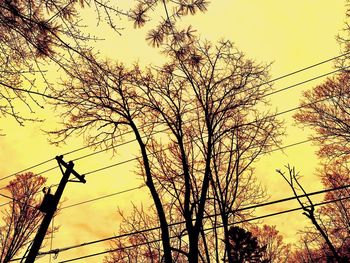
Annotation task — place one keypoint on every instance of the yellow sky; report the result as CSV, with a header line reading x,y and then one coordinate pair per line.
x,y
292,34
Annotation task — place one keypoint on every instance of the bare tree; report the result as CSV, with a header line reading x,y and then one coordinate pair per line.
x,y
309,209
22,216
304,252
327,112
334,216
143,246
343,39
32,32
145,243
275,249
35,34
105,111
205,99
328,115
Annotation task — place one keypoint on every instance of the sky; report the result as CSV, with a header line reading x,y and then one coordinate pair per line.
x,y
290,34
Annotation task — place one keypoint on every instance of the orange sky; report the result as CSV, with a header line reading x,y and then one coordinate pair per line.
x,y
292,34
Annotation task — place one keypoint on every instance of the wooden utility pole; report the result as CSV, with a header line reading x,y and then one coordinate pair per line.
x,y
51,206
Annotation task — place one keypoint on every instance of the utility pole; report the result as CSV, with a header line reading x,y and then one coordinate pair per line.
x,y
50,204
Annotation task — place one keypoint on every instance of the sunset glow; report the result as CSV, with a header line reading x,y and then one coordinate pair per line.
x,y
289,35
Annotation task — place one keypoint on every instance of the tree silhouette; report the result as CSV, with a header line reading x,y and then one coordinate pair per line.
x,y
244,247
37,34
22,217
32,32
292,178
336,215
205,100
144,246
334,218
211,246
326,111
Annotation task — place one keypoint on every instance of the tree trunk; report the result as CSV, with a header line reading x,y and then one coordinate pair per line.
x,y
158,203
226,238
193,250
326,238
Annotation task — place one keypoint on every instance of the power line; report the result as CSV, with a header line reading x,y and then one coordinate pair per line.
x,y
306,81
242,221
267,82
208,216
271,116
235,127
266,117
143,185
36,174
16,200
207,229
104,196
273,80
266,95
31,167
243,124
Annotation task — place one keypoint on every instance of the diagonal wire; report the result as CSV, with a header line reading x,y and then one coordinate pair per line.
x,y
273,80
208,216
56,251
143,185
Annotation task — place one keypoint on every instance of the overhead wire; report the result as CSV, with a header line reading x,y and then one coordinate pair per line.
x,y
56,251
131,189
207,229
241,125
151,229
103,197
96,143
275,115
205,217
280,113
143,185
265,83
271,93
26,169
244,124
237,126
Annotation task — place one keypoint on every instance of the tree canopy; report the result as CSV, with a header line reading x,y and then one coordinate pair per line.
x,y
21,218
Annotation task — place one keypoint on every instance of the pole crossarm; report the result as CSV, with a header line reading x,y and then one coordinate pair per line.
x,y
60,161
52,204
